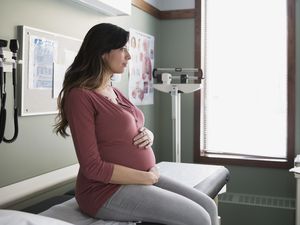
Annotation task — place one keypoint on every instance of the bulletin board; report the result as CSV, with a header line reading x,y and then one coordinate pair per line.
x,y
45,57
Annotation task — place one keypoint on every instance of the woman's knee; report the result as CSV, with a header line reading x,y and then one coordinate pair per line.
x,y
185,212
210,205
199,217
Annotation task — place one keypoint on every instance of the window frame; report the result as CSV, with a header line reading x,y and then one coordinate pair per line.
x,y
226,159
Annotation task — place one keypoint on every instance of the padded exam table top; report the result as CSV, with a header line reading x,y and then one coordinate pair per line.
x,y
209,179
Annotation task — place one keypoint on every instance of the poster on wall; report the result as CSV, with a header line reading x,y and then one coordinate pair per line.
x,y
141,49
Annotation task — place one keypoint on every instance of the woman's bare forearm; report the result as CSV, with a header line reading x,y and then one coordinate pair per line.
x,y
126,175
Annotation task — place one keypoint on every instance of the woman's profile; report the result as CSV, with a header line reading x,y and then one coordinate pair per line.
x,y
118,179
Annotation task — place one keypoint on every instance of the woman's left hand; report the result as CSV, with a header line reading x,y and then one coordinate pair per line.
x,y
144,139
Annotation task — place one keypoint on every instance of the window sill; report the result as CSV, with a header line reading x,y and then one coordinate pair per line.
x,y
226,159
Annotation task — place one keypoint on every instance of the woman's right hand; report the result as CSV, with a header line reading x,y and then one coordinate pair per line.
x,y
154,172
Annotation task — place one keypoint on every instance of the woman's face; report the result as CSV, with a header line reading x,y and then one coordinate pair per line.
x,y
117,59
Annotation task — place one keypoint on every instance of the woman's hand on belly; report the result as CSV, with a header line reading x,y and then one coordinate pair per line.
x,y
126,175
144,139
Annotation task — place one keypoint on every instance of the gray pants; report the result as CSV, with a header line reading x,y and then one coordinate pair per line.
x,y
168,202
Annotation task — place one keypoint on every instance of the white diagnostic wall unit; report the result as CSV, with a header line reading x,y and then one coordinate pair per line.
x,y
108,7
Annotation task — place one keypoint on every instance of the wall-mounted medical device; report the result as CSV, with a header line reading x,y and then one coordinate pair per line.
x,y
176,81
8,64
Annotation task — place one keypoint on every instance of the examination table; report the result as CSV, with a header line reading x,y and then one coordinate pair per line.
x,y
209,179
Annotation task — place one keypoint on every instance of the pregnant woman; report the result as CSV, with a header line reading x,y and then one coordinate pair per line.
x,y
117,179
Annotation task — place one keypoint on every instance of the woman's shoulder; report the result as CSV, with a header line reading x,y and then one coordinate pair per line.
x,y
77,91
79,97
80,101
78,94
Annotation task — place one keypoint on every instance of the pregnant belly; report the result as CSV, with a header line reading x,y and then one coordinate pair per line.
x,y
130,156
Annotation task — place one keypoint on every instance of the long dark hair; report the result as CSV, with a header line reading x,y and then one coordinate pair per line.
x,y
88,67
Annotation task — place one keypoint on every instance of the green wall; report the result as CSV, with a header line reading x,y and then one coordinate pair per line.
x,y
177,51
38,150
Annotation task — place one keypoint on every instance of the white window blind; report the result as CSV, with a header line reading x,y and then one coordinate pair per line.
x,y
244,58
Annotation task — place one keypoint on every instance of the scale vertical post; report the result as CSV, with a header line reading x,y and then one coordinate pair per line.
x,y
176,134
178,153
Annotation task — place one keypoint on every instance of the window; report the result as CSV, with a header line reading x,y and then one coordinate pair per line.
x,y
247,101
